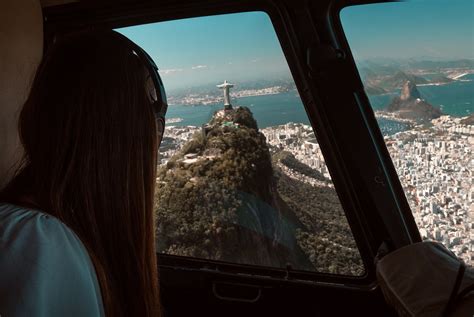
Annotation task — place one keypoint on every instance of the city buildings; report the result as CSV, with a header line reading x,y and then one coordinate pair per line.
x,y
435,164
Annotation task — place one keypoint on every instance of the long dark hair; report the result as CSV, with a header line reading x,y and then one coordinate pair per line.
x,y
90,142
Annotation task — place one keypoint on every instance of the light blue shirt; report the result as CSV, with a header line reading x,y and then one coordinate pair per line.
x,y
45,269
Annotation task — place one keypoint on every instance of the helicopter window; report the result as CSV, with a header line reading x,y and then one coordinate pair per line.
x,y
242,178
416,60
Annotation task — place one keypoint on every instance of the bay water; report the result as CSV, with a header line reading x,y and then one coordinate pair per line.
x,y
455,99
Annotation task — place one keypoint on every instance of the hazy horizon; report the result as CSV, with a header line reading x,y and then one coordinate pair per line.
x,y
208,50
436,29
243,47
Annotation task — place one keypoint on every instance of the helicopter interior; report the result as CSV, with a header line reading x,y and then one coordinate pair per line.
x,y
331,185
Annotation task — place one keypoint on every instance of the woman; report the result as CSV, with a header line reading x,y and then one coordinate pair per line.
x,y
76,223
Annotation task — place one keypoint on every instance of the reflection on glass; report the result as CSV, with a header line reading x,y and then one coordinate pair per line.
x,y
419,76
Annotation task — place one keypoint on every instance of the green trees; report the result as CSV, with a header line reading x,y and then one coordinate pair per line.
x,y
196,204
241,116
195,145
289,160
325,235
231,203
244,117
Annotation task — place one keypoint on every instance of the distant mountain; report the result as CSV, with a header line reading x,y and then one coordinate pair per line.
x,y
372,70
409,92
210,88
430,64
390,75
224,197
440,79
399,79
410,105
374,90
383,66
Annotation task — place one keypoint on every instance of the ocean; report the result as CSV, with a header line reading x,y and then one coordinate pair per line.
x,y
456,99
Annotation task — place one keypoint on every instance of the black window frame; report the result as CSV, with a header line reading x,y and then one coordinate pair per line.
x,y
309,52
340,41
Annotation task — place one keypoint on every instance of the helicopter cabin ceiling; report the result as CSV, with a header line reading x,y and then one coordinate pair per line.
x,y
51,3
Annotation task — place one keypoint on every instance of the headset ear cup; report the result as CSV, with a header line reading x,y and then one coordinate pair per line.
x,y
161,105
160,129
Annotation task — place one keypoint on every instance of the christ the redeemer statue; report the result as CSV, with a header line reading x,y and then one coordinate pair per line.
x,y
225,86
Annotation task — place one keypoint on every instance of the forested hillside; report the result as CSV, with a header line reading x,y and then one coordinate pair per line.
x,y
223,197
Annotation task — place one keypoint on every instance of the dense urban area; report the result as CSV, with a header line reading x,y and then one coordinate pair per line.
x,y
434,164
435,167
293,206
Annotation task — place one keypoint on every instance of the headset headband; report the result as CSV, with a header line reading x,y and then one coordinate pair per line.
x,y
160,106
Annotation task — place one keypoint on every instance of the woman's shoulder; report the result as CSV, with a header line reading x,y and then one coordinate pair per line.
x,y
41,254
14,217
10,212
38,228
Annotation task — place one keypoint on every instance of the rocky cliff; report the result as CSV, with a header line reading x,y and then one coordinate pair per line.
x,y
409,105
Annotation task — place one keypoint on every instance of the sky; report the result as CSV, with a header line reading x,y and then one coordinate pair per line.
x,y
244,46
200,51
436,29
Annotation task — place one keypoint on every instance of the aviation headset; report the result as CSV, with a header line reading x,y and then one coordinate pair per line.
x,y
159,104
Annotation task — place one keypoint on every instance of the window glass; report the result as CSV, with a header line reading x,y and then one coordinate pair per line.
x,y
241,178
416,60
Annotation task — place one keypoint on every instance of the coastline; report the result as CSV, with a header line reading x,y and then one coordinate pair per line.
x,y
393,117
209,100
445,83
